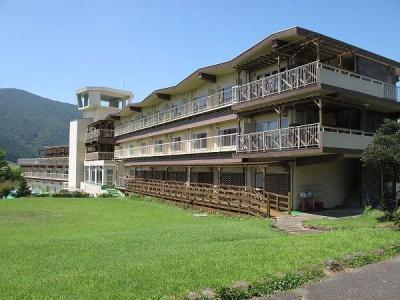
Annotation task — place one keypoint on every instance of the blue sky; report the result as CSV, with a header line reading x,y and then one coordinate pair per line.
x,y
52,48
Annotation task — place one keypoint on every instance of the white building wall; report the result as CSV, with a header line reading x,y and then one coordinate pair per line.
x,y
77,136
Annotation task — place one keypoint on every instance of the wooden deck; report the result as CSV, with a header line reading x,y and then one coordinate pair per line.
x,y
225,199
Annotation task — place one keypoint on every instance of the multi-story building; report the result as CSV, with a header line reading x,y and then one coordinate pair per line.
x,y
49,171
291,114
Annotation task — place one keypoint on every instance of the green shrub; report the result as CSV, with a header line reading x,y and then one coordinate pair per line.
x,y
75,194
105,195
396,217
6,187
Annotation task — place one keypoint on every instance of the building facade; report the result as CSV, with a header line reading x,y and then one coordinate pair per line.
x,y
49,172
291,115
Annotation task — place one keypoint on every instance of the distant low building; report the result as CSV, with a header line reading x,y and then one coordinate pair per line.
x,y
48,172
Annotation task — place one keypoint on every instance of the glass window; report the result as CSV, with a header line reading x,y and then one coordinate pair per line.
x,y
158,147
176,143
109,177
99,171
92,174
227,137
200,140
86,178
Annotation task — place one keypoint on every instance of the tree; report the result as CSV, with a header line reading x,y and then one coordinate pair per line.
x,y
383,154
23,189
7,176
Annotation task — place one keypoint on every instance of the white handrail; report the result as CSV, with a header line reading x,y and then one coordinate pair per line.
x,y
43,161
290,138
216,101
43,175
217,143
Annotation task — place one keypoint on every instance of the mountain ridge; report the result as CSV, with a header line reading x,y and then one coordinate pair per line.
x,y
29,122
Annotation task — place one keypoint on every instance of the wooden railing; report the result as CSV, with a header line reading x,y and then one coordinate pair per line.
x,y
43,161
297,137
198,106
99,156
104,133
218,143
223,198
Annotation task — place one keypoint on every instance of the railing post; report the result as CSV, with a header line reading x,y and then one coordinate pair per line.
x,y
268,205
298,137
289,203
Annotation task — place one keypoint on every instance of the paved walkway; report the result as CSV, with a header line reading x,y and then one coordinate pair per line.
x,y
294,224
377,281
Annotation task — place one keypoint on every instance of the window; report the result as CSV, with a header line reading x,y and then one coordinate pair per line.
x,y
143,148
99,171
109,177
130,149
227,137
92,174
158,147
200,140
227,94
86,176
200,103
268,125
83,100
176,143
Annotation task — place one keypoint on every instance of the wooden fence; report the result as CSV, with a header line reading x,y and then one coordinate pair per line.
x,y
225,198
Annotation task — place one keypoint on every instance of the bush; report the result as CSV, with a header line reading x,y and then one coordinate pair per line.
x,y
23,189
105,195
75,194
6,187
388,205
396,217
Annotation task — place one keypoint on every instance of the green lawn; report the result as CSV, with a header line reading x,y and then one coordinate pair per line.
x,y
130,248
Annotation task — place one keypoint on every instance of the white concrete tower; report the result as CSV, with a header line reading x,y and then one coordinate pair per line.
x,y
95,103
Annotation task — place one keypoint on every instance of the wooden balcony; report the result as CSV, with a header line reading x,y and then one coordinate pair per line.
x,y
99,156
198,106
308,79
101,136
46,176
43,161
303,139
221,143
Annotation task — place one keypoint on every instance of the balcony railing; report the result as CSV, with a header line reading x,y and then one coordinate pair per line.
x,y
218,143
309,74
198,106
297,137
275,84
44,175
99,156
103,133
43,161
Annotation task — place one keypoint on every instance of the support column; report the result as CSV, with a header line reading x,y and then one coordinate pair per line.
x,y
166,174
264,173
188,174
363,119
219,175
320,111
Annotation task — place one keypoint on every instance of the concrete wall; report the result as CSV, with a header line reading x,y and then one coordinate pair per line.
x,y
77,137
345,141
329,180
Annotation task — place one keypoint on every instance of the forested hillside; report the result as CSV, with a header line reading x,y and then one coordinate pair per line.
x,y
28,122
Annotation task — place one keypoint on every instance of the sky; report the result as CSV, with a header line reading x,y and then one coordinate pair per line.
x,y
52,48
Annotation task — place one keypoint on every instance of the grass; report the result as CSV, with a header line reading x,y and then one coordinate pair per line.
x,y
139,249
